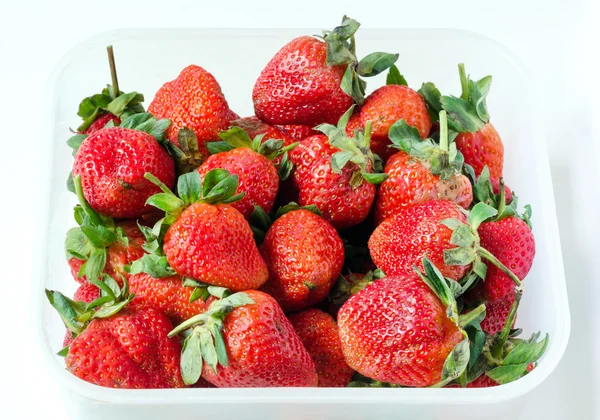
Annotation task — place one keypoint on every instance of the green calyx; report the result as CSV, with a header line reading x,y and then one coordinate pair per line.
x,y
261,221
111,100
351,284
468,249
204,341
272,149
341,50
483,192
361,381
467,113
204,290
147,123
442,159
352,149
95,233
394,77
77,315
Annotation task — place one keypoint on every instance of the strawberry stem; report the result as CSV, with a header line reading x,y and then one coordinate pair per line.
x,y
464,320
113,71
510,319
502,203
491,258
95,217
443,131
464,82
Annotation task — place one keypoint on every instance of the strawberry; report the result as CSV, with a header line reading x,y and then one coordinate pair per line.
x,y
478,140
312,81
401,329
297,132
253,163
99,244
319,334
245,340
206,239
335,173
167,294
401,241
193,100
496,314
389,104
304,255
112,163
111,105
421,171
87,292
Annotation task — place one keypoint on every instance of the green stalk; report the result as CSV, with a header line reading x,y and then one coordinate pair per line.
x,y
499,344
464,82
502,203
199,319
470,316
367,135
443,131
491,258
96,219
113,71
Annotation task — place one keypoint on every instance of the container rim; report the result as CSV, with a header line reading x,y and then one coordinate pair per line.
x,y
502,393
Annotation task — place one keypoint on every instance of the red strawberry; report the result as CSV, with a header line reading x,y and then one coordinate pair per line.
x,y
482,148
336,174
253,344
421,171
397,330
496,313
254,164
118,253
128,350
389,104
100,122
297,132
208,240
193,100
112,163
319,334
302,84
401,241
167,294
304,255
511,241
496,189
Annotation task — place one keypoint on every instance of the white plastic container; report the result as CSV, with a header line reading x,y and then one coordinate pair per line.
x,y
148,58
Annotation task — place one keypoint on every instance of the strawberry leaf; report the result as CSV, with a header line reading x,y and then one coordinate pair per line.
x,y
207,347
375,63
189,187
191,359
156,266
456,362
394,77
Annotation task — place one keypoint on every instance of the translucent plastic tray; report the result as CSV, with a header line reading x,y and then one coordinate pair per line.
x,y
146,58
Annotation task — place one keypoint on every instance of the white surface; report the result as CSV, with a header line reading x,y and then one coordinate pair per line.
x,y
553,40
544,306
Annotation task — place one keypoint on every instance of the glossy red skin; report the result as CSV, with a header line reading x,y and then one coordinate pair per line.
x,y
401,241
193,100
87,293
112,163
168,295
257,178
263,349
396,330
214,244
297,132
319,334
496,190
118,254
512,242
496,313
297,87
101,121
128,350
389,104
305,256
482,148
341,204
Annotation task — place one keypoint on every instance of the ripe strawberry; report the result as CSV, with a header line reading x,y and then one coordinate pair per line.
x,y
478,140
421,171
336,174
319,334
311,81
389,104
304,255
112,163
128,350
207,239
253,344
167,294
101,122
253,163
193,100
496,314
401,241
397,330
297,132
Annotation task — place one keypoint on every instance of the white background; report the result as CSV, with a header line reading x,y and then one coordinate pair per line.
x,y
557,40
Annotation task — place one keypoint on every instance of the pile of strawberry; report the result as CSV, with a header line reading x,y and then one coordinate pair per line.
x,y
333,239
